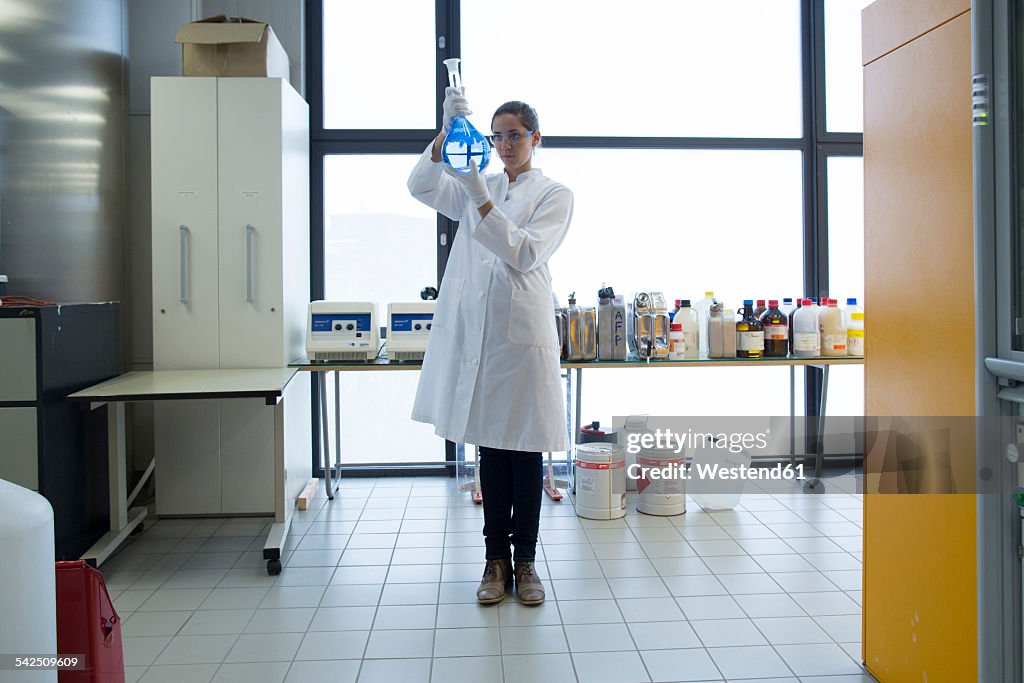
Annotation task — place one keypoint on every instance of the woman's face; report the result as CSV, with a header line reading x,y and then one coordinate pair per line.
x,y
513,154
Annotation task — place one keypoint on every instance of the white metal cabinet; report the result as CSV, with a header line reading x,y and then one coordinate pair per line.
x,y
231,164
185,225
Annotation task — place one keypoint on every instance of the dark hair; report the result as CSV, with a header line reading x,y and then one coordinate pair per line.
x,y
527,114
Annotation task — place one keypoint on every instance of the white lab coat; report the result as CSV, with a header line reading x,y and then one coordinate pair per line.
x,y
491,372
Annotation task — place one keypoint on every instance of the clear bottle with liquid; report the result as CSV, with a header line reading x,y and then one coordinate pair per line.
x,y
702,308
463,142
749,333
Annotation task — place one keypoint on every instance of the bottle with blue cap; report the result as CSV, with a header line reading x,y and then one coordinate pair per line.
x,y
854,328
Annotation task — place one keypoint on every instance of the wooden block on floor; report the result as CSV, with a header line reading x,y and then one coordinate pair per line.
x,y
308,493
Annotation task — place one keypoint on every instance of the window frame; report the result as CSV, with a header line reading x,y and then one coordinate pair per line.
x,y
816,144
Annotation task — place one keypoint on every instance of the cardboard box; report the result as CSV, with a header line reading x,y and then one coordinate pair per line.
x,y
231,46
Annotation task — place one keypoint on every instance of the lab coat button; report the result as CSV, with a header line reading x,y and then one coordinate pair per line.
x,y
486,262
481,294
474,361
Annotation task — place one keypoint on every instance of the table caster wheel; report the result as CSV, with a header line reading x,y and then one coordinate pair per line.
x,y
273,567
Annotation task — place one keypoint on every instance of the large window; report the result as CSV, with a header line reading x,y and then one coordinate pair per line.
x,y
656,68
708,146
378,247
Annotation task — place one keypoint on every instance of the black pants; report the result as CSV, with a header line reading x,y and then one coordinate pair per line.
x,y
511,483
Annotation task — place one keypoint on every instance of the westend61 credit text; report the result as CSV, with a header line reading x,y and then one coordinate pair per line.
x,y
709,471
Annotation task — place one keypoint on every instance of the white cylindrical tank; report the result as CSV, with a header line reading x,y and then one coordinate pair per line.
x,y
600,481
28,594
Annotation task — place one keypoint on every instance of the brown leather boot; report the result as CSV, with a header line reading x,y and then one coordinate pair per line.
x,y
495,583
528,585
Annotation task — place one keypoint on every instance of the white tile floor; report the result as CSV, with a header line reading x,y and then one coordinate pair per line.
x,y
378,586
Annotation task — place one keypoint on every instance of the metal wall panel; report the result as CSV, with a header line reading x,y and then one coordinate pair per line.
x,y
62,112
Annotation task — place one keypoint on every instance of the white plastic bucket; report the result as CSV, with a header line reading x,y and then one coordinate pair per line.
x,y
661,486
716,493
600,481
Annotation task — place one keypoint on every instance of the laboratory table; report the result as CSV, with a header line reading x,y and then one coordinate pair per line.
x,y
168,385
573,377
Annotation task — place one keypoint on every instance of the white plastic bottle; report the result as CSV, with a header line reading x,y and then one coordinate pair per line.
x,y
854,328
687,317
832,325
702,308
806,338
787,307
676,342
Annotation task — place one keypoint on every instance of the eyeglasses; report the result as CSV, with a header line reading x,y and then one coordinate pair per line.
x,y
515,137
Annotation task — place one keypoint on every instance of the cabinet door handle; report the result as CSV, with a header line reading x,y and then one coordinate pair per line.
x,y
250,238
183,234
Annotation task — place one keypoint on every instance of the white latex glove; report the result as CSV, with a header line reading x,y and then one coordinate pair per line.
x,y
472,182
455,104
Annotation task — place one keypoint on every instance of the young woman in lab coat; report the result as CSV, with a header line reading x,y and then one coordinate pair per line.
x,y
491,372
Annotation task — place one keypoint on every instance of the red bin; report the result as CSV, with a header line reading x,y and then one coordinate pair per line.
x,y
87,625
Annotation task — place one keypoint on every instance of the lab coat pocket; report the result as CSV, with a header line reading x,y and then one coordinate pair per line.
x,y
531,319
448,302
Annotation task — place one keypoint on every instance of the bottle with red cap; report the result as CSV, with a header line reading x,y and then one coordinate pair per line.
x,y
806,337
776,331
759,308
676,342
832,325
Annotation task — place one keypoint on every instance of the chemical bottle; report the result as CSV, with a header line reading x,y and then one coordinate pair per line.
x,y
702,308
855,334
611,325
463,142
716,331
776,331
790,312
687,317
759,308
833,329
676,342
787,308
749,332
672,315
728,332
850,308
806,338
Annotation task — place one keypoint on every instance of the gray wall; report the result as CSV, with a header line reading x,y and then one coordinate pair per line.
x,y
62,113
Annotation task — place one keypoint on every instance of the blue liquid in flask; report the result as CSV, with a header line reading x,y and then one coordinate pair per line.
x,y
464,142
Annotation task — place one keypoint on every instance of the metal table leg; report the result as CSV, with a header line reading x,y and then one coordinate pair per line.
x,y
814,484
325,444
792,415
337,427
123,520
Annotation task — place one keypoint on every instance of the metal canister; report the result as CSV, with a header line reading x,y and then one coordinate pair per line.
x,y
581,331
650,325
611,326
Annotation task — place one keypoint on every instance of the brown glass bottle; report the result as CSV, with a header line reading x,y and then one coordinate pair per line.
x,y
776,331
749,333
